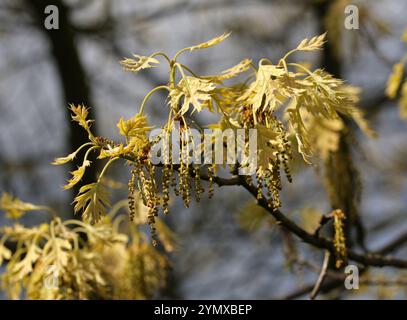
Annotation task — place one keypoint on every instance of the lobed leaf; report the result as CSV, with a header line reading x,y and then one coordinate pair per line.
x,y
209,43
135,126
232,72
139,63
15,208
194,91
77,175
92,200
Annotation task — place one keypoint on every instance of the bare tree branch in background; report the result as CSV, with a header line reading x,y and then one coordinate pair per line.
x,y
71,72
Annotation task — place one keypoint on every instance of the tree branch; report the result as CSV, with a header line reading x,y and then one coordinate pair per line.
x,y
367,259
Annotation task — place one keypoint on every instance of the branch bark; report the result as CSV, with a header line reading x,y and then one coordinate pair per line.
x,y
366,259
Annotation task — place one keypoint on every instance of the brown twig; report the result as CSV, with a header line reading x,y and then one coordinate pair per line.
x,y
321,276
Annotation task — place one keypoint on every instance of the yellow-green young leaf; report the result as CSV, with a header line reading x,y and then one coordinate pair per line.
x,y
314,43
404,36
5,254
268,142
298,126
137,125
56,252
263,92
210,43
194,91
80,114
139,63
228,101
403,101
92,201
77,175
63,160
15,208
394,80
18,231
103,232
69,157
111,152
234,71
323,134
25,266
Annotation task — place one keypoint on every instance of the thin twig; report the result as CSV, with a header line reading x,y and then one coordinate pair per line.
x,y
322,275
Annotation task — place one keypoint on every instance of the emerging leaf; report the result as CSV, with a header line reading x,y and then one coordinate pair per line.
x,y
140,63
269,143
194,91
5,254
25,265
92,200
264,92
133,127
232,72
312,44
77,175
15,208
80,114
63,160
111,152
210,43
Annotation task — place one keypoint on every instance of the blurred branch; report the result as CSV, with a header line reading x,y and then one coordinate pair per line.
x,y
370,40
135,19
388,222
375,105
338,282
71,72
394,244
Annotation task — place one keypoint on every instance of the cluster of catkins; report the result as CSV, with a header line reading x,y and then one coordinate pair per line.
x,y
269,177
143,176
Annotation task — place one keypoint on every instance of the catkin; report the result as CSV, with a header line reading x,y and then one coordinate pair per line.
x,y
184,174
198,186
259,186
211,173
166,188
339,238
131,199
